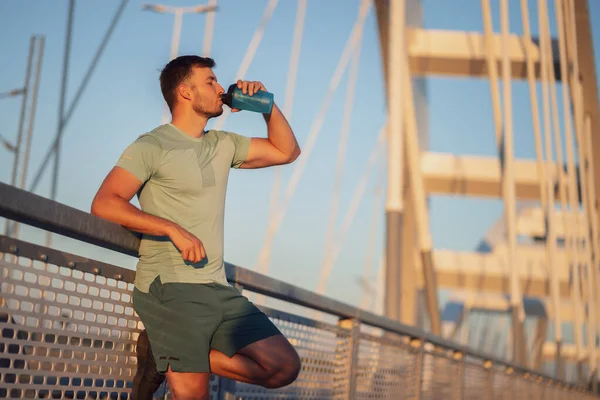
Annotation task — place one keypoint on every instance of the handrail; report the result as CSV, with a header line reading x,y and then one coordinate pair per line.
x,y
28,208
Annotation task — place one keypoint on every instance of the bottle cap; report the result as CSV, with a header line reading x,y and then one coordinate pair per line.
x,y
228,96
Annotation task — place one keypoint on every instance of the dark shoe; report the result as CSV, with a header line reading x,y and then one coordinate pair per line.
x,y
147,379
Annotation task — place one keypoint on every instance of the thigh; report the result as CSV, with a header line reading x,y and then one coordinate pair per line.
x,y
180,320
272,353
243,323
188,385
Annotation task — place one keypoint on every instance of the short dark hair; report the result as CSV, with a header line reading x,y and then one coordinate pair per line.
x,y
176,71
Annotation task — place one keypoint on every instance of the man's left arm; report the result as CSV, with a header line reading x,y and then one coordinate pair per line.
x,y
280,146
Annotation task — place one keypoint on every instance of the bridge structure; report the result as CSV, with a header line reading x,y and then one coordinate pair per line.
x,y
521,319
537,265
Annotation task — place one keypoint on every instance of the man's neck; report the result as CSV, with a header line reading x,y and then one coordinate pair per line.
x,y
192,125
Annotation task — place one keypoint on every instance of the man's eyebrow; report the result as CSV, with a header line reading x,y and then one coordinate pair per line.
x,y
212,78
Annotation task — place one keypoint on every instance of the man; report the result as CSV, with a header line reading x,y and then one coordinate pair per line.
x,y
196,323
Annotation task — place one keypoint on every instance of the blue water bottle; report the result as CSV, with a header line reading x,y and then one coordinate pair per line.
x,y
261,101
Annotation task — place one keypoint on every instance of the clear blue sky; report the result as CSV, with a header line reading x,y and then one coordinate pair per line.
x,y
123,100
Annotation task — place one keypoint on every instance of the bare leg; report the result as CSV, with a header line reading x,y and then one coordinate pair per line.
x,y
188,385
271,362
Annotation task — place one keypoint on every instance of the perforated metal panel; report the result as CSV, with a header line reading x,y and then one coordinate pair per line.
x,y
439,378
501,385
477,382
65,333
387,368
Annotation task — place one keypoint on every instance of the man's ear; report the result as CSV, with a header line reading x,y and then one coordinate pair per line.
x,y
185,92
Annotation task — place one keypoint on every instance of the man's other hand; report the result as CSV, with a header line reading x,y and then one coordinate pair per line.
x,y
190,246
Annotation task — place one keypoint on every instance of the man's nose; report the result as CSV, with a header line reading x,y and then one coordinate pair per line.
x,y
220,89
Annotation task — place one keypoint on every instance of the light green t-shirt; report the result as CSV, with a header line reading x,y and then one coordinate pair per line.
x,y
184,180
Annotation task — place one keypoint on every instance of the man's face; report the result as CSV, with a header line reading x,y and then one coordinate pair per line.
x,y
206,93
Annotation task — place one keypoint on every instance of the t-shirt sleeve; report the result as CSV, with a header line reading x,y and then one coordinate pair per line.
x,y
242,145
141,158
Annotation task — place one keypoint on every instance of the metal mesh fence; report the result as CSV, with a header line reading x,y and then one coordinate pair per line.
x,y
386,368
438,378
477,381
71,334
65,333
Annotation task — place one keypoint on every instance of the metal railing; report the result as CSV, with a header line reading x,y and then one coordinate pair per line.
x,y
69,330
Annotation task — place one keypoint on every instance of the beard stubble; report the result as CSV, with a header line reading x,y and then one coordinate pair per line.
x,y
203,111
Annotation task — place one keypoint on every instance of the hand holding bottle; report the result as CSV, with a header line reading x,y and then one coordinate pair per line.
x,y
250,96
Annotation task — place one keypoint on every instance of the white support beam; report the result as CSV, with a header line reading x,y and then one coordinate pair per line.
x,y
567,352
531,222
463,54
447,174
494,303
488,272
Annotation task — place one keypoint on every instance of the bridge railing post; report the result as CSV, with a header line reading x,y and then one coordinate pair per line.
x,y
351,350
489,367
418,343
460,358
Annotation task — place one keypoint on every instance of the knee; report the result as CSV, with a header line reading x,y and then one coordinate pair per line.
x,y
285,373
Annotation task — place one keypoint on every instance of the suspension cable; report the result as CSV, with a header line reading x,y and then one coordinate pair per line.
x,y
546,181
341,157
209,30
566,185
373,228
250,53
359,191
318,121
265,255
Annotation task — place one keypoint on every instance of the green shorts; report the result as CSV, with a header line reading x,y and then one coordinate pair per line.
x,y
185,320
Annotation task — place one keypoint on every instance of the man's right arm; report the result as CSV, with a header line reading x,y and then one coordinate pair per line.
x,y
112,202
